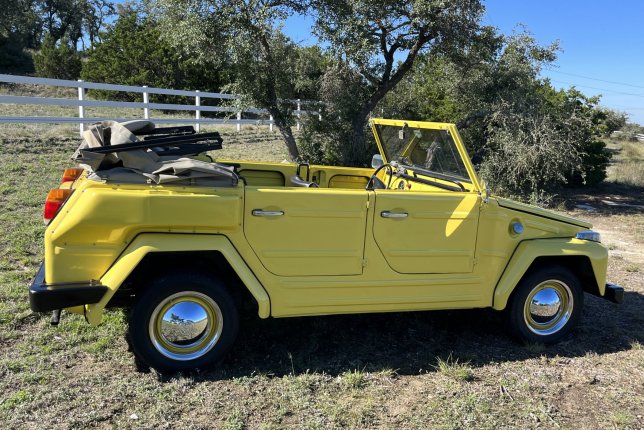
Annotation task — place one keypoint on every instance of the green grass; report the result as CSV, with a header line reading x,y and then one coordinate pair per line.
x,y
628,163
456,369
451,368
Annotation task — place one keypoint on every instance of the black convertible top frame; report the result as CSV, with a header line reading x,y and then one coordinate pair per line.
x,y
185,143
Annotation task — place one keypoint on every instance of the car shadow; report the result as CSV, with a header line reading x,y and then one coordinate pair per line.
x,y
605,199
411,343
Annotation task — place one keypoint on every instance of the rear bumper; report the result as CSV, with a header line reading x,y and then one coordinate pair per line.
x,y
614,293
48,297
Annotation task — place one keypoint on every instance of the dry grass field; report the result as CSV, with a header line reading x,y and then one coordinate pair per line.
x,y
452,370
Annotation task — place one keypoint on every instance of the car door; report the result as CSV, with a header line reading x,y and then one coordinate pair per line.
x,y
425,231
307,231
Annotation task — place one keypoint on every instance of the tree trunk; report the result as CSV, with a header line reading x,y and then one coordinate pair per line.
x,y
358,150
287,134
273,109
358,144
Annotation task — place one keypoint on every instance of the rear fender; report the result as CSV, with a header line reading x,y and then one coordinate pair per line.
x,y
155,242
528,251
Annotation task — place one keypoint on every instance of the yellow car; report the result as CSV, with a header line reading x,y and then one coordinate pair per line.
x,y
186,242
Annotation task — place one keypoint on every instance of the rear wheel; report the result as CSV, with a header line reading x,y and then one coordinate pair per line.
x,y
183,321
546,305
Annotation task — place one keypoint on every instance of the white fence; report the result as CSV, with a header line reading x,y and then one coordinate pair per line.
x,y
261,116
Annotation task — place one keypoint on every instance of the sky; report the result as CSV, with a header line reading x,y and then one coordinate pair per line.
x,y
602,44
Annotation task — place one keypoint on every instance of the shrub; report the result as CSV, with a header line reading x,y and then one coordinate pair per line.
x,y
133,52
57,61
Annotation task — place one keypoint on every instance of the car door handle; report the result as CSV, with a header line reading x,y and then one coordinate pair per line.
x,y
387,214
259,212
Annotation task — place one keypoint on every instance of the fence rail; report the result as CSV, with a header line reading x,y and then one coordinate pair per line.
x,y
262,115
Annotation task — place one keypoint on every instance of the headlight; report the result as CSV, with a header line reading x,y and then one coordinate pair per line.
x,y
589,235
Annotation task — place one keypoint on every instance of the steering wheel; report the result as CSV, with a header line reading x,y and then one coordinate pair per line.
x,y
375,182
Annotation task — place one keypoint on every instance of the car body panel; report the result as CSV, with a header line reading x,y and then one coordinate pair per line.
x,y
424,232
100,220
528,251
302,231
148,243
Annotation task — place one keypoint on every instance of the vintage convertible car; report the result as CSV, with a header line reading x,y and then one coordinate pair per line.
x,y
186,242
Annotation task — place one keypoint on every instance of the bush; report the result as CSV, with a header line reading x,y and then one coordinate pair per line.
x,y
133,52
57,61
327,141
14,58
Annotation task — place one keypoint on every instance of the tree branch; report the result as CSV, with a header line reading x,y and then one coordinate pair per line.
x,y
386,85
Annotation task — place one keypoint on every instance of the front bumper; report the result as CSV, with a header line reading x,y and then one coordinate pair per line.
x,y
45,297
614,293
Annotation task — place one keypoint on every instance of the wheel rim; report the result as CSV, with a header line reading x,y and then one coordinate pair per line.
x,y
548,307
186,325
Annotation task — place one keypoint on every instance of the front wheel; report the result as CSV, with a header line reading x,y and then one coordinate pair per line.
x,y
546,305
183,321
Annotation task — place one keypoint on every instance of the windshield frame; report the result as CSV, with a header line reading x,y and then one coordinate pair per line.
x,y
450,128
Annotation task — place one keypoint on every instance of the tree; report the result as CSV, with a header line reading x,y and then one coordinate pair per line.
x,y
17,24
245,34
379,41
72,19
526,137
24,24
610,120
133,52
58,61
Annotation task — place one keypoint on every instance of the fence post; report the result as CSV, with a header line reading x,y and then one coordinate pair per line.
x,y
197,112
81,108
146,100
299,112
270,125
238,119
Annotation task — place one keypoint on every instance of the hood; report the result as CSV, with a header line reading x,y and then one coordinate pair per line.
x,y
535,210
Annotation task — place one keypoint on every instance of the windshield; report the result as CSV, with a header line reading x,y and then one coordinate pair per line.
x,y
424,150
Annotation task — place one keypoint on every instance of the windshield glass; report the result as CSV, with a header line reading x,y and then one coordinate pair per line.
x,y
423,150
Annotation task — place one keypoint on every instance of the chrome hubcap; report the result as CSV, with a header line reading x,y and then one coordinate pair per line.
x,y
548,307
186,325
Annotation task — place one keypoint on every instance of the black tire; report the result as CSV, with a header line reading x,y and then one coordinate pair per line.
x,y
183,321
546,305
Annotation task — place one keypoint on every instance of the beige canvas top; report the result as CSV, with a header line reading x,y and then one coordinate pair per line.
x,y
143,165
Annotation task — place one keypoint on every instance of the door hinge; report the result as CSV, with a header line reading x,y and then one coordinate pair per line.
x,y
475,261
364,262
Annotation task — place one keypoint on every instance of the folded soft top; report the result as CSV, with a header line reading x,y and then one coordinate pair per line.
x,y
113,152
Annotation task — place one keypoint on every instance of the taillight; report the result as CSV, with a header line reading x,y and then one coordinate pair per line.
x,y
54,202
70,175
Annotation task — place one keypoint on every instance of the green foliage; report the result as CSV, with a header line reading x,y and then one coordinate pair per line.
x,y
325,141
366,39
132,52
526,138
17,21
14,58
57,61
246,35
25,24
609,120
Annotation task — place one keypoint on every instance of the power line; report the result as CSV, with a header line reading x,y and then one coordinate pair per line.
x,y
596,79
599,89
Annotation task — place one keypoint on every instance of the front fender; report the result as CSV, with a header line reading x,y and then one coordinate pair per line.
x,y
146,243
529,250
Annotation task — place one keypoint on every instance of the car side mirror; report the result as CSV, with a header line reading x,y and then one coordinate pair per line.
x,y
376,161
